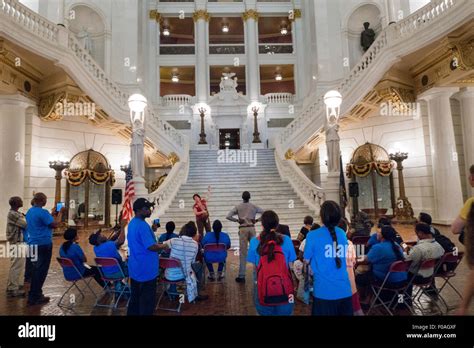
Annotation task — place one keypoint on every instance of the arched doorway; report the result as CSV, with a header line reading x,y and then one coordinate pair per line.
x,y
371,167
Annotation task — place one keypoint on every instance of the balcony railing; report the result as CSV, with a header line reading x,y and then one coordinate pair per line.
x,y
176,100
275,48
177,49
278,98
226,48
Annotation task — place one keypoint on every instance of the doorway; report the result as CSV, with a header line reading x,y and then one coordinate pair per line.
x,y
229,138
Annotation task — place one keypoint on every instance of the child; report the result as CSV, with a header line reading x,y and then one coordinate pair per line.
x,y
170,227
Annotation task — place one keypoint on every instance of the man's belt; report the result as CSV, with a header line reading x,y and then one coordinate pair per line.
x,y
246,226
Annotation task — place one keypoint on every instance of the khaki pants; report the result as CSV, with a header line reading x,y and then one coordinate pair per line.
x,y
245,234
17,272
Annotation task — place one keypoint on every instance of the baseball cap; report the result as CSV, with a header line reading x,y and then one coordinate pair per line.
x,y
142,203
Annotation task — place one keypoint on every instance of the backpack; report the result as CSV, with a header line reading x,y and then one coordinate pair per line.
x,y
274,281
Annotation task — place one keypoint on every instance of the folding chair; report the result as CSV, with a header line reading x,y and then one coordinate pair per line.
x,y
106,265
215,247
66,263
423,285
170,263
360,240
446,269
397,289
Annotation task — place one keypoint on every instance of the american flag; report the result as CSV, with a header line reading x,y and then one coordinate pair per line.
x,y
127,210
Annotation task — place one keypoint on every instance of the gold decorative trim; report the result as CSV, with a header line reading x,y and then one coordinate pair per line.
x,y
154,14
201,14
289,154
47,106
295,14
464,52
250,14
173,158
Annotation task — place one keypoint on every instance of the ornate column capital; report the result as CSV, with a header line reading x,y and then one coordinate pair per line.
x,y
201,14
250,14
294,14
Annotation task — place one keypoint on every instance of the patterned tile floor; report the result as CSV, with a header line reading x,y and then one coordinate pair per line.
x,y
227,298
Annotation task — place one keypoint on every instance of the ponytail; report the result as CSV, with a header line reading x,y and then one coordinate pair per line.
x,y
217,228
331,216
269,237
69,235
332,231
389,233
67,245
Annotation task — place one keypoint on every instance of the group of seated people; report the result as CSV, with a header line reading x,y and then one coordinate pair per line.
x,y
336,286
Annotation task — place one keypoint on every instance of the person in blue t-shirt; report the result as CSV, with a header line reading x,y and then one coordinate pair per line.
x,y
71,250
325,251
104,247
375,238
210,257
39,232
170,227
381,256
143,260
270,222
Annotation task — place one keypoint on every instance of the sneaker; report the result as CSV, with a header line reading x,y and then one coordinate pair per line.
x,y
220,276
240,280
41,300
211,277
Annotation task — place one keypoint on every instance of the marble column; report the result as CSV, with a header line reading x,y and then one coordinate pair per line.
x,y
466,98
250,18
201,19
299,48
446,177
12,155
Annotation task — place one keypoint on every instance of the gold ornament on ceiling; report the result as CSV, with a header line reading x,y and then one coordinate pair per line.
x,y
201,14
402,100
47,106
89,164
369,157
289,154
250,14
464,53
155,184
173,158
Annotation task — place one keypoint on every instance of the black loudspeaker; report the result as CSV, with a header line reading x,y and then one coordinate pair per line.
x,y
353,189
117,196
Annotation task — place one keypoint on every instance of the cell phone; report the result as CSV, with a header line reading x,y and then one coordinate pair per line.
x,y
156,222
404,245
59,205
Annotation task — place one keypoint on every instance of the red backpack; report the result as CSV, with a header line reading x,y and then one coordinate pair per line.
x,y
274,281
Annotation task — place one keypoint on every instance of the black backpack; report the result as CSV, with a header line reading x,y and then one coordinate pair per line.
x,y
445,242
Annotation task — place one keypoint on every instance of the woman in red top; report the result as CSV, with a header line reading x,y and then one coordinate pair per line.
x,y
201,213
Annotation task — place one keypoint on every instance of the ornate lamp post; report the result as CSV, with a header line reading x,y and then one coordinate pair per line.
x,y
58,166
202,135
403,210
137,104
256,134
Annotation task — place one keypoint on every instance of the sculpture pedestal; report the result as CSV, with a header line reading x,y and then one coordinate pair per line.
x,y
257,146
404,212
332,187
